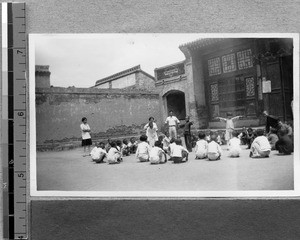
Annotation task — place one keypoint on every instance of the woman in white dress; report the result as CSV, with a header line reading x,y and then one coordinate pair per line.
x,y
151,131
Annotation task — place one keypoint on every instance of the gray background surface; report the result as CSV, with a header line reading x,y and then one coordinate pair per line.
x,y
168,219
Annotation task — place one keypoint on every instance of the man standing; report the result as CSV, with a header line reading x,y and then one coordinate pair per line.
x,y
187,133
172,122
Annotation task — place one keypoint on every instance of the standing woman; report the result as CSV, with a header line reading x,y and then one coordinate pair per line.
x,y
151,131
86,137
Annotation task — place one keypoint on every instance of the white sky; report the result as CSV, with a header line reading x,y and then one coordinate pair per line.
x,y
81,59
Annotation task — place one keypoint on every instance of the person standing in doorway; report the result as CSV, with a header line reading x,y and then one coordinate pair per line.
x,y
172,122
187,133
151,131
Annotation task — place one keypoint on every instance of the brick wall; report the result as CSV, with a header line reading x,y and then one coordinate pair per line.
x,y
110,113
144,82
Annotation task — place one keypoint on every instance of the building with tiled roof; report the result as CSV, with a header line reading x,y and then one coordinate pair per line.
x,y
241,76
133,77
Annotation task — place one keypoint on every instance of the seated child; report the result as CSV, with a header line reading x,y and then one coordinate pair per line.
x,y
207,138
251,135
107,146
132,145
272,137
171,145
234,145
98,153
160,140
243,136
143,149
219,140
179,153
201,147
157,154
214,150
166,143
284,145
260,146
113,155
125,149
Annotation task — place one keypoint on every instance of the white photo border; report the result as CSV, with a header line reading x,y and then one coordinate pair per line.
x,y
163,194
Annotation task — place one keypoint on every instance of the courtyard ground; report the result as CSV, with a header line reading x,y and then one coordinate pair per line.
x,y
70,171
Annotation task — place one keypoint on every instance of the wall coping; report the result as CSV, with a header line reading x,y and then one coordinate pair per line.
x,y
73,90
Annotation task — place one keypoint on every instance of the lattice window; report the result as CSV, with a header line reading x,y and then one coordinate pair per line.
x,y
250,89
244,59
229,63
214,66
214,92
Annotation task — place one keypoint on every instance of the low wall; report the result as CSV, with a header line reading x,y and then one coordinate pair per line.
x,y
110,113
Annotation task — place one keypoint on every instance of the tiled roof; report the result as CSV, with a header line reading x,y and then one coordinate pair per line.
x,y
122,74
199,43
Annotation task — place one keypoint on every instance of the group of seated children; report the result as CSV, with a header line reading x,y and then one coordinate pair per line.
x,y
113,151
207,146
162,148
212,149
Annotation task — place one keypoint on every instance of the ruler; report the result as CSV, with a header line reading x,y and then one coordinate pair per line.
x,y
13,126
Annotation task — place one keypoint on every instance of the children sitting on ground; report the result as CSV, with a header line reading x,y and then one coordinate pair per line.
x,y
243,136
132,145
143,149
170,149
285,144
214,150
201,146
272,138
157,154
219,139
179,153
234,145
251,135
98,153
113,155
160,140
207,135
166,143
125,149
107,146
260,147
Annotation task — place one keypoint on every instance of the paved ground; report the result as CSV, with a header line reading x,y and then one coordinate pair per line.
x,y
68,170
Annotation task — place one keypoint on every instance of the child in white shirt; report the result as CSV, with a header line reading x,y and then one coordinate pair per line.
x,y
214,150
113,155
201,147
166,143
125,149
98,153
156,154
170,148
179,153
143,149
260,146
86,142
234,145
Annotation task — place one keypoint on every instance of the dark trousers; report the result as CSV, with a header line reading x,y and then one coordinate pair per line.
x,y
188,141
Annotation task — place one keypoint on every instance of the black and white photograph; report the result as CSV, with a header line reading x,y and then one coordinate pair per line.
x,y
164,115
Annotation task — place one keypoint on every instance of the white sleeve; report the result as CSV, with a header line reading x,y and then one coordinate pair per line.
x,y
155,127
167,120
146,126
